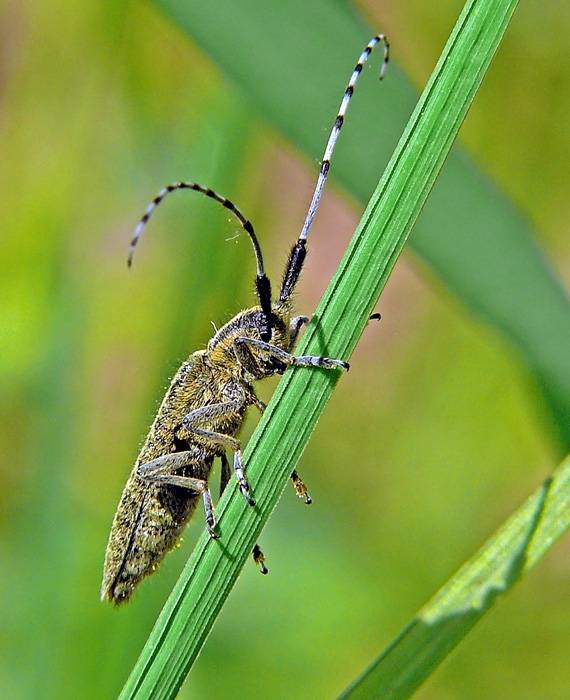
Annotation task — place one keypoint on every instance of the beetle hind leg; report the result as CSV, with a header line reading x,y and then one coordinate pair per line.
x,y
259,559
300,487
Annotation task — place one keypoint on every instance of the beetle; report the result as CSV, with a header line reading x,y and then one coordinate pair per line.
x,y
205,404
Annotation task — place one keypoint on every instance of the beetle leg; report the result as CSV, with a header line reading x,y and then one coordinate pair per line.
x,y
289,359
295,326
226,474
240,476
228,441
246,358
162,470
211,411
300,487
216,439
297,322
206,413
198,416
258,556
298,483
259,559
259,404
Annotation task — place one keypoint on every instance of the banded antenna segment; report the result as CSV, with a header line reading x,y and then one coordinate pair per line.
x,y
228,204
337,126
299,250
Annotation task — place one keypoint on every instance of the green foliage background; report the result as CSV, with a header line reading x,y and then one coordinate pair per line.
x,y
434,437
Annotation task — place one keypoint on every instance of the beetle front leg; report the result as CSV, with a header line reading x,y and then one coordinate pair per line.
x,y
297,322
288,359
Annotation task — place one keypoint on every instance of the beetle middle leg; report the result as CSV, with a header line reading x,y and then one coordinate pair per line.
x,y
163,471
295,326
220,410
298,483
258,556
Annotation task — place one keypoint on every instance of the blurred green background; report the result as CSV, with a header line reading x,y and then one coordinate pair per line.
x,y
439,424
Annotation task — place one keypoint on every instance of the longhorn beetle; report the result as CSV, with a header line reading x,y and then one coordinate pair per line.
x,y
206,402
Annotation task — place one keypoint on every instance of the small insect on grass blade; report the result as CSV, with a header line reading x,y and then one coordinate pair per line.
x,y
205,404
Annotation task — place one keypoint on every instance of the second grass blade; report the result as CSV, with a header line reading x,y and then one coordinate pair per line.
x,y
277,444
466,597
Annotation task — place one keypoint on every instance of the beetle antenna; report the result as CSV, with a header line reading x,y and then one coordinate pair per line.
x,y
298,253
262,284
246,224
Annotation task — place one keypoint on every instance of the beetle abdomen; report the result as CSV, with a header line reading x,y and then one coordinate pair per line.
x,y
137,547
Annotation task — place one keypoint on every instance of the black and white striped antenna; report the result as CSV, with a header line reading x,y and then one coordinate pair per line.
x,y
262,284
228,204
297,256
337,126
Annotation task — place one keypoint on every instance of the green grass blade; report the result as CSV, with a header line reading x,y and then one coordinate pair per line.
x,y
290,60
276,445
466,597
